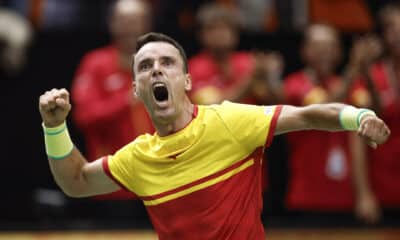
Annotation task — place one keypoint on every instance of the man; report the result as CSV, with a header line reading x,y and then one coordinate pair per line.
x,y
315,172
376,179
220,72
101,91
199,174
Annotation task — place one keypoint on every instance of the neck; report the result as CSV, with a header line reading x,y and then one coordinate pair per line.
x,y
221,57
183,118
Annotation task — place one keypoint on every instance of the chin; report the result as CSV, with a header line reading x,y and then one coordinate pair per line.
x,y
164,115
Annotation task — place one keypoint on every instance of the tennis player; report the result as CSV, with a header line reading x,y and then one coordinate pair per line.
x,y
199,174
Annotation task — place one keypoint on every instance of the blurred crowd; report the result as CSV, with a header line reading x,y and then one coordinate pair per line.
x,y
327,172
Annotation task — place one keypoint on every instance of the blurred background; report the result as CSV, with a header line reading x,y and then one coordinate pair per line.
x,y
255,51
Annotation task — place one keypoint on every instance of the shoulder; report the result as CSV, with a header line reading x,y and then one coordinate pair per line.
x,y
130,151
200,59
200,64
242,59
100,55
378,71
296,77
242,56
229,109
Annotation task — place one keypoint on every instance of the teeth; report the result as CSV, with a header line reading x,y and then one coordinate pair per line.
x,y
158,85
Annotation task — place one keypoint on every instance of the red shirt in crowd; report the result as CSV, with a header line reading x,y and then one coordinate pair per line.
x,y
104,108
209,81
320,167
385,160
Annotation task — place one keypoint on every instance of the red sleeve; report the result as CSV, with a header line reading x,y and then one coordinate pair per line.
x,y
272,127
91,104
122,194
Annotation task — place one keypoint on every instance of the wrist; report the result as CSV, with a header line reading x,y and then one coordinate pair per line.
x,y
364,194
57,141
52,124
350,117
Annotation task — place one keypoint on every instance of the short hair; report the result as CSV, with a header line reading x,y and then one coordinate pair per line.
x,y
212,12
159,37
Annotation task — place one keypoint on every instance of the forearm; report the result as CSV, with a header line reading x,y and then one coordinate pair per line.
x,y
66,162
360,168
323,116
68,173
75,176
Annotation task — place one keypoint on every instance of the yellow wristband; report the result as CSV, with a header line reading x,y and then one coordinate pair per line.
x,y
350,117
57,141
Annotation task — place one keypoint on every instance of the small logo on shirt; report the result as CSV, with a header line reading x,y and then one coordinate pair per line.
x,y
268,110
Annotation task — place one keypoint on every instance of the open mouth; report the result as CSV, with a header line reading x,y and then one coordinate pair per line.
x,y
160,92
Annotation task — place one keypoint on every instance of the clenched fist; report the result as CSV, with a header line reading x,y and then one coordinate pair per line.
x,y
54,107
373,130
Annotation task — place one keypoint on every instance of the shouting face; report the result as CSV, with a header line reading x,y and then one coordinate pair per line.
x,y
161,82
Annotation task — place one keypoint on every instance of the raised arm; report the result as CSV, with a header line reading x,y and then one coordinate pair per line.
x,y
333,117
73,174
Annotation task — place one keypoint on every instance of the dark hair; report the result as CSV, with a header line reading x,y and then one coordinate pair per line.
x,y
159,37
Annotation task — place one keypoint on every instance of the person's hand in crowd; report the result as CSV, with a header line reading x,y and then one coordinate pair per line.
x,y
367,208
267,75
364,52
269,64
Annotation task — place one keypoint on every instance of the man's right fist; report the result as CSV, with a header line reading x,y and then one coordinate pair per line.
x,y
54,107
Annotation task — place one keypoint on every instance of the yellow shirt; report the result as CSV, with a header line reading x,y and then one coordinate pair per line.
x,y
217,147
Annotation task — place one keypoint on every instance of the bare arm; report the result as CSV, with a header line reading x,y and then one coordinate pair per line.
x,y
326,117
366,206
79,178
73,174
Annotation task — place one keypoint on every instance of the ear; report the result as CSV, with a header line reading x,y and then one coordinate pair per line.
x,y
134,89
188,82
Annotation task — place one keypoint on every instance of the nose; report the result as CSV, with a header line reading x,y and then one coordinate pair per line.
x,y
156,70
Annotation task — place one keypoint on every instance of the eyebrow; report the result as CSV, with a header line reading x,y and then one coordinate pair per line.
x,y
146,60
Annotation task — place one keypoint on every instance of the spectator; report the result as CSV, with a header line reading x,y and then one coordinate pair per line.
x,y
377,180
320,162
102,89
219,72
